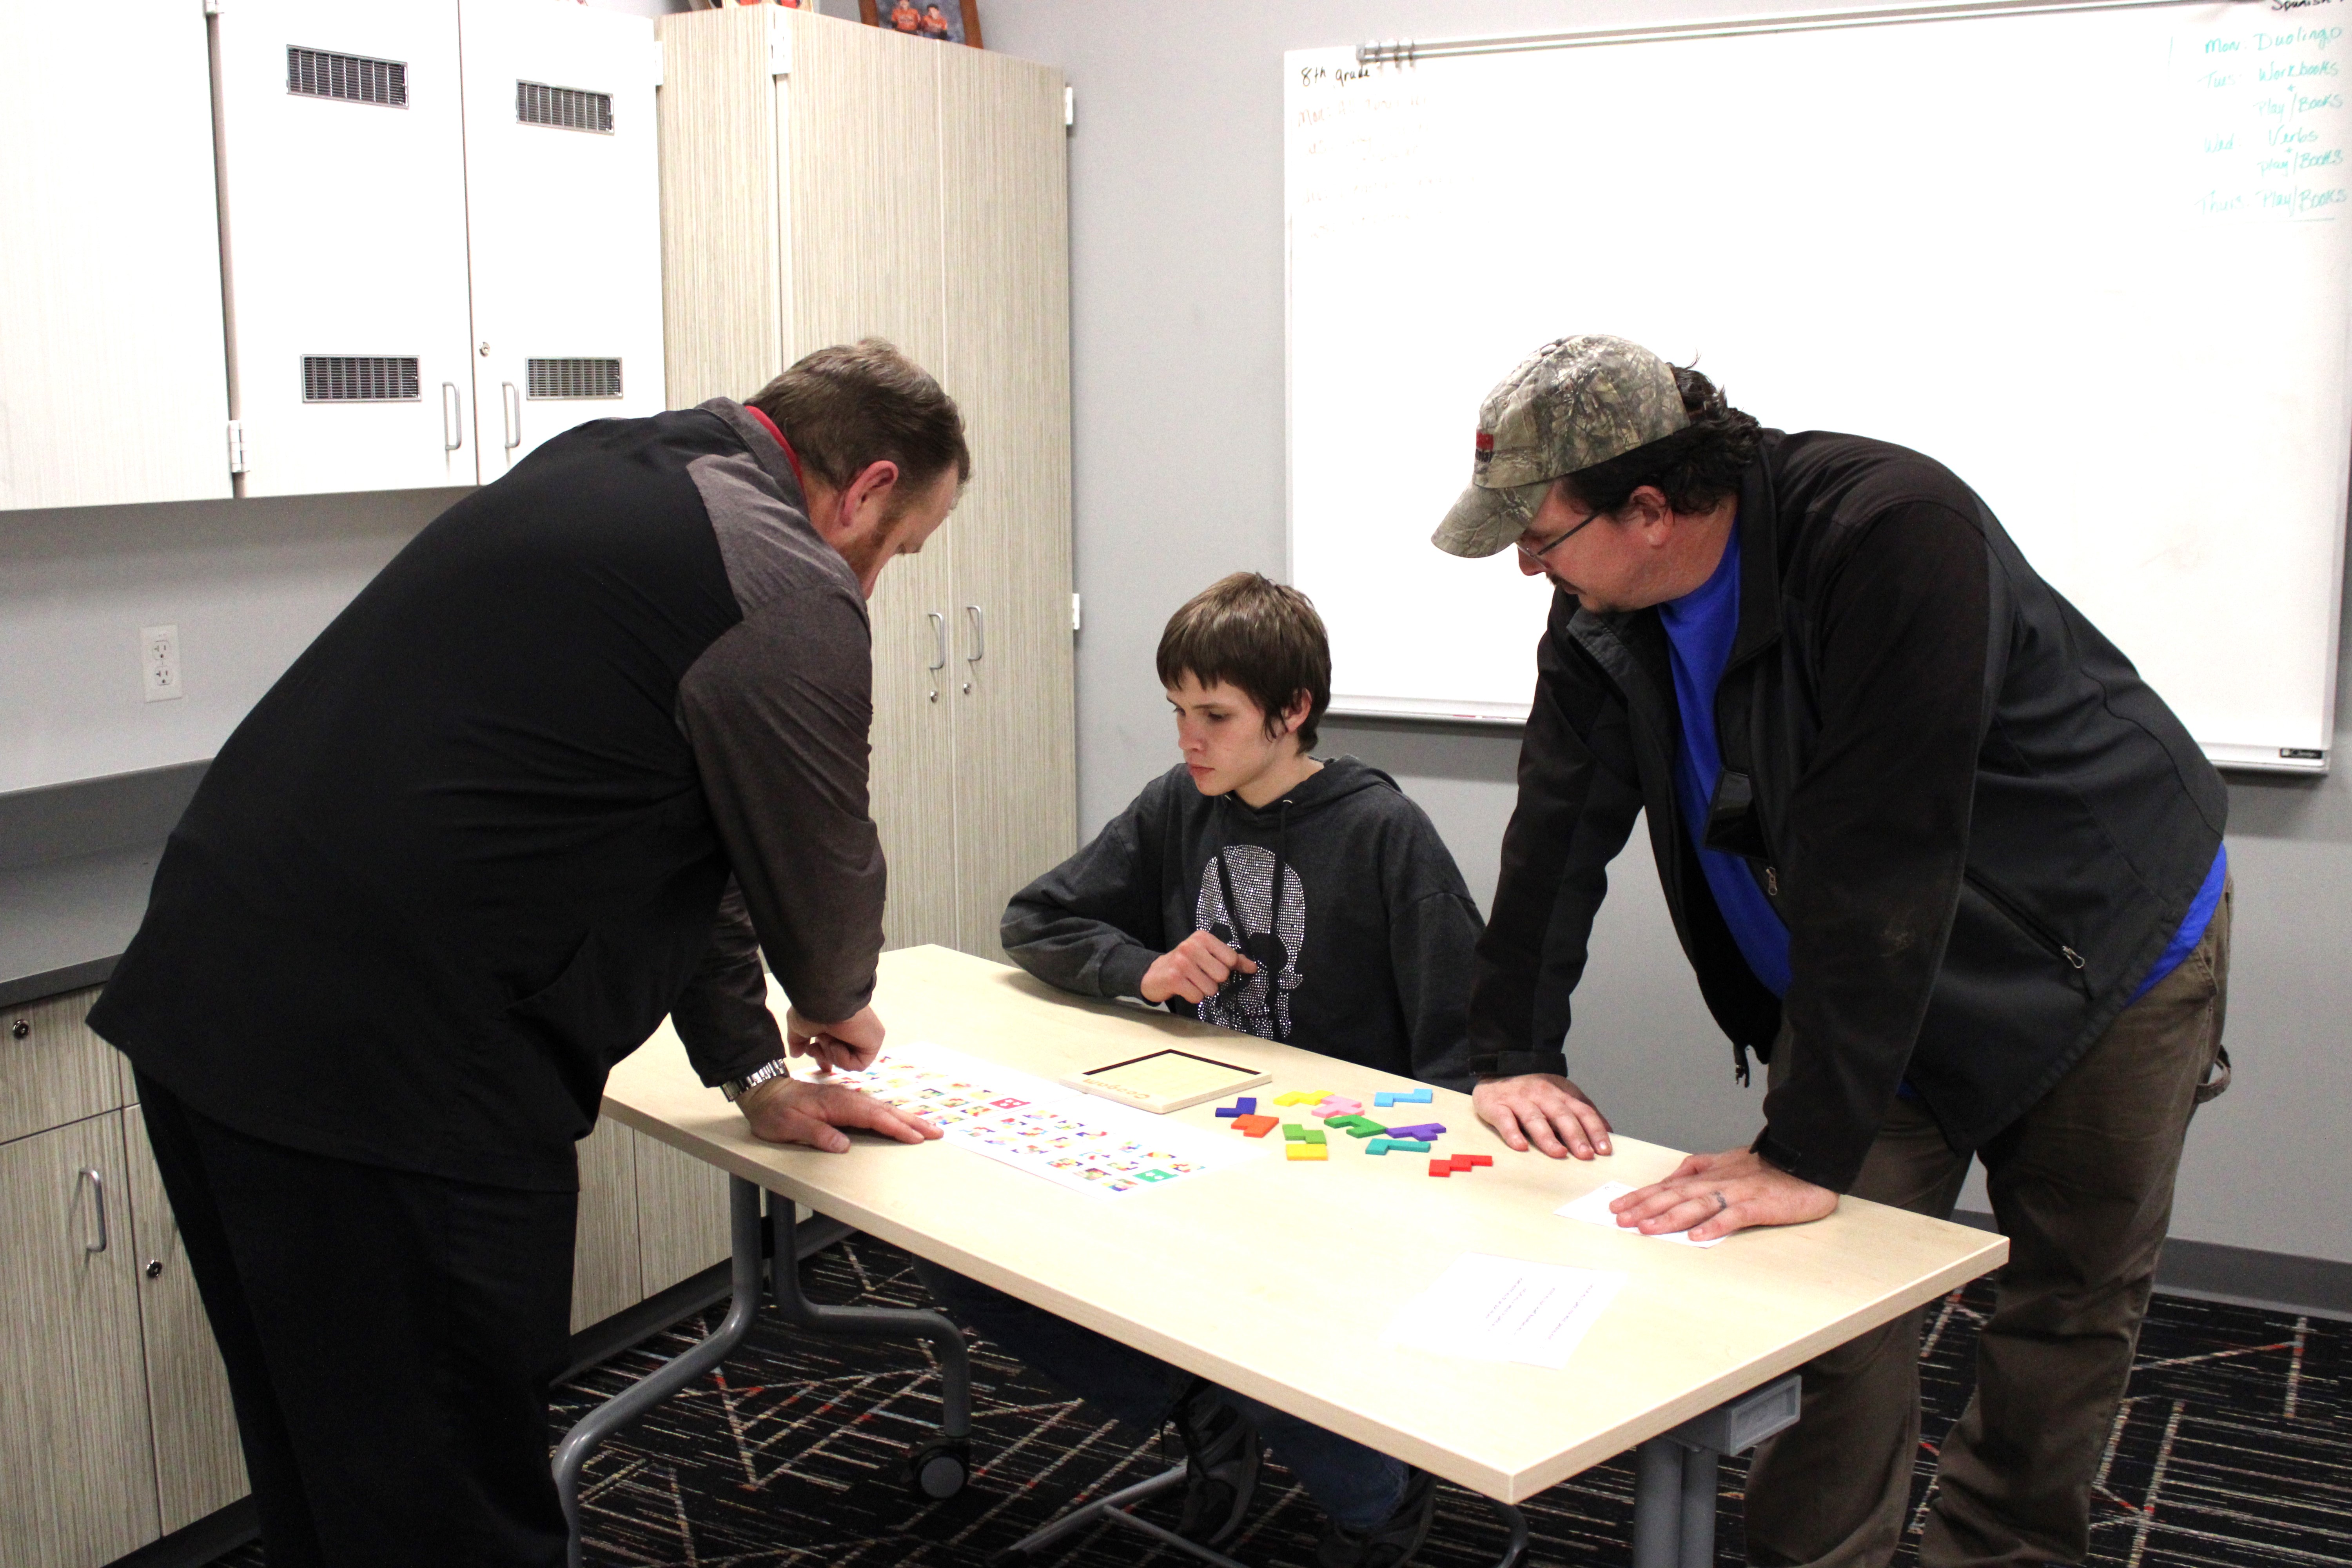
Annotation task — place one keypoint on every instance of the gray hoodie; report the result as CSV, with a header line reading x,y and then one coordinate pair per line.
x,y
1357,916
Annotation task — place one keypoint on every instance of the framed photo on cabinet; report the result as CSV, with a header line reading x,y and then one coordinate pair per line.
x,y
946,21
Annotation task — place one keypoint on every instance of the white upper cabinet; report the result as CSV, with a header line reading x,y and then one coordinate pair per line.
x,y
112,387
564,221
345,208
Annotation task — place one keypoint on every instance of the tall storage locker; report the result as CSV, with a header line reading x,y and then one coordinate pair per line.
x,y
563,211
345,208
112,387
822,182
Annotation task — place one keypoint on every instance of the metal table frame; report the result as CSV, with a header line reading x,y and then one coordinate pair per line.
x,y
1676,1474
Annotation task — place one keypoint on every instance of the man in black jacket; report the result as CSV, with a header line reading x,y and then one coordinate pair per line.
x,y
1932,849
581,751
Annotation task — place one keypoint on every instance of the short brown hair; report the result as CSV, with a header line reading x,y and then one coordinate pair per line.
x,y
1256,635
847,408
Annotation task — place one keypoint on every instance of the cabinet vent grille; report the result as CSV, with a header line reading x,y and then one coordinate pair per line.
x,y
315,73
574,377
353,378
567,108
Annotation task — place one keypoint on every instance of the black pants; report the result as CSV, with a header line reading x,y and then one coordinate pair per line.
x,y
389,1340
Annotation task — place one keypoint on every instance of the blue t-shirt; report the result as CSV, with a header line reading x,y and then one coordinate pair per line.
x,y
1700,627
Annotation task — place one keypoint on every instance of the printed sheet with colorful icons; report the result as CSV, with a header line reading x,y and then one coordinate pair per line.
x,y
1072,1138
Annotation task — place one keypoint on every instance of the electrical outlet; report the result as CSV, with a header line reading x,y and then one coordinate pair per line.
x,y
159,662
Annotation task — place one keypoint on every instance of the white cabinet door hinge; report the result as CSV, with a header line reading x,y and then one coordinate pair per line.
x,y
780,46
1074,612
236,446
1069,107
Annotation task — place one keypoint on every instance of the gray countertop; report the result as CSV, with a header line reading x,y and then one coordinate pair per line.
x,y
76,860
64,922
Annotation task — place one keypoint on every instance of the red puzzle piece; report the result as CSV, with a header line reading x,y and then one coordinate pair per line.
x,y
1257,1126
1441,1167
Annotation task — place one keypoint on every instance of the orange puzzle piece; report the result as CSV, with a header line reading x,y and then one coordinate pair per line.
x,y
1257,1126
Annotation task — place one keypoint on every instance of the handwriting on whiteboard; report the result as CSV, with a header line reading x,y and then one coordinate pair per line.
x,y
2266,105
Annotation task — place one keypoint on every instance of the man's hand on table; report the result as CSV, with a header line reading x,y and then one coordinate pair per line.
x,y
795,1110
1545,1109
849,1045
1711,1195
1193,969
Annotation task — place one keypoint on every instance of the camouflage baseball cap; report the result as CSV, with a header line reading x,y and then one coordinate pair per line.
x,y
1571,403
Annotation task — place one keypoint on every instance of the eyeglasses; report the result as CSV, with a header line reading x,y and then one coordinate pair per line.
x,y
1548,546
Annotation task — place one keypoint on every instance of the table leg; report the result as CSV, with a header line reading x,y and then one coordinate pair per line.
x,y
1658,1504
1112,1510
571,1455
939,1466
1677,1475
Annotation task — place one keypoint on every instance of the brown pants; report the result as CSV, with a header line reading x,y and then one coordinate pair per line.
x,y
2082,1185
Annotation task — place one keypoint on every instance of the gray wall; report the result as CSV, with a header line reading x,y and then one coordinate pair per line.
x,y
248,584
1176,271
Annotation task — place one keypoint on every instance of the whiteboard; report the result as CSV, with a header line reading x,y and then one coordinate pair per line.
x,y
2094,261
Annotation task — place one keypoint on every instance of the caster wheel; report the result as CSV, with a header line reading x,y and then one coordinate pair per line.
x,y
937,1470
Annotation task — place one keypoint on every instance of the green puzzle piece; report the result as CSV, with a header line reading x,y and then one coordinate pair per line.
x,y
1292,1133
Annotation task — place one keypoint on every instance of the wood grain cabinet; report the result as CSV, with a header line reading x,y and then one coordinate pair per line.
x,y
822,183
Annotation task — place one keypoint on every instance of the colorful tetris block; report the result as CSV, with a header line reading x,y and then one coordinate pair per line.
x,y
1256,1126
1312,1135
1248,1106
1425,1129
1441,1167
1229,1111
1292,1098
1388,1097
1306,1151
1456,1163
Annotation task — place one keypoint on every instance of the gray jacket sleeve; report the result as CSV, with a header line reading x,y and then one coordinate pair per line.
x,y
1093,923
777,711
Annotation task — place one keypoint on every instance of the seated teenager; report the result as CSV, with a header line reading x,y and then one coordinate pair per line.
x,y
1255,887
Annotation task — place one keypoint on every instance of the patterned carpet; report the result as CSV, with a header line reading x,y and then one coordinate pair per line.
x,y
2234,1448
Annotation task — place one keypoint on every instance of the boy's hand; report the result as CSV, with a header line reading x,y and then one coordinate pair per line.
x,y
1193,970
1711,1195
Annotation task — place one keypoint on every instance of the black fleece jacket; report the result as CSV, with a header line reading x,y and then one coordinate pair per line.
x,y
537,785
1979,825
1364,953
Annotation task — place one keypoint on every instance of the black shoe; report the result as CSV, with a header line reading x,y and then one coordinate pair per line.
x,y
1391,1542
1221,1462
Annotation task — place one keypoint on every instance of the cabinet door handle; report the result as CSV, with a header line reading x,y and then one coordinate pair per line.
x,y
453,430
938,641
96,1185
978,635
510,409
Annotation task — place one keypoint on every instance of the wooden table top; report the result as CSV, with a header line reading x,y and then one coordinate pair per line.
x,y
1276,1277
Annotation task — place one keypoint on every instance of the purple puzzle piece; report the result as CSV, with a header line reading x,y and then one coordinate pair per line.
x,y
1246,1107
1421,1132
1241,1110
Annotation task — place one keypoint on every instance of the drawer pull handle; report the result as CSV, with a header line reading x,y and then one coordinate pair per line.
x,y
97,1185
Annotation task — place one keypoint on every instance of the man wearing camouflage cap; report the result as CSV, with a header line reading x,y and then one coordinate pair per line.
x,y
1932,849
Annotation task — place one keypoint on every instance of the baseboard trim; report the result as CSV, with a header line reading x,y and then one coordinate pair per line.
x,y
2240,1276
225,1529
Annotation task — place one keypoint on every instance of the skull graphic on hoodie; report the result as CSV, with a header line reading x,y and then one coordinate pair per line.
x,y
1237,902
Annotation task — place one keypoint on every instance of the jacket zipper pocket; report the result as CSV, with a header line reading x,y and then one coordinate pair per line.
x,y
2025,922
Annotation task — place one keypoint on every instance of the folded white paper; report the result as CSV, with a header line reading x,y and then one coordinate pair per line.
x,y
1501,1308
1593,1208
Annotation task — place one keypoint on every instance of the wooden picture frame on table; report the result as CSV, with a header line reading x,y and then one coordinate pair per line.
x,y
947,21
